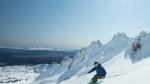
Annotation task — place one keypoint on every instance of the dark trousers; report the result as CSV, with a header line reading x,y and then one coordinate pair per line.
x,y
96,77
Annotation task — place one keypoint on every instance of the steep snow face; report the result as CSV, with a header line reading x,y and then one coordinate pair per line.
x,y
85,53
143,39
118,44
116,66
96,52
81,59
53,69
102,53
115,56
127,73
137,73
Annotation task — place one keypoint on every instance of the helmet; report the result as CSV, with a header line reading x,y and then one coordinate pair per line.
x,y
95,63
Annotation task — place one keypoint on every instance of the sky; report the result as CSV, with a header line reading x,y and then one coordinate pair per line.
x,y
70,23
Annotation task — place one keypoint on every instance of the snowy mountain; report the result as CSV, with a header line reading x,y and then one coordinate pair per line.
x,y
96,51
39,48
140,47
121,56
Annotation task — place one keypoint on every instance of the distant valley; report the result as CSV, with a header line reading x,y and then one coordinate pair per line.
x,y
10,56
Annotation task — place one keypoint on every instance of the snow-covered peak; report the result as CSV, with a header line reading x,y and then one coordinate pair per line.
x,y
120,36
96,52
113,52
95,44
88,51
143,33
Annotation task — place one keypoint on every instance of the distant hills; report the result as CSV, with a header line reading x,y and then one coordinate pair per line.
x,y
18,56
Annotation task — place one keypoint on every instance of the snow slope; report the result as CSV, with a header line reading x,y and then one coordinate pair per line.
x,y
112,67
96,51
83,61
17,74
117,56
51,75
136,74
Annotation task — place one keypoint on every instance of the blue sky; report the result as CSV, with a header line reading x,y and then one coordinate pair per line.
x,y
69,23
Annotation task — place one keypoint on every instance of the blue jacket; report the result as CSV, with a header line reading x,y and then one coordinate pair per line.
x,y
99,70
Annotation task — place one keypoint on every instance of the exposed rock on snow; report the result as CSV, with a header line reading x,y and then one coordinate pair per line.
x,y
139,49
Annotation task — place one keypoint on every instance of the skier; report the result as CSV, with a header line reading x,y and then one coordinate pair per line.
x,y
100,72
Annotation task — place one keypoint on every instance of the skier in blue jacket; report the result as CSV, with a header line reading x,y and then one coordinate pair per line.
x,y
100,72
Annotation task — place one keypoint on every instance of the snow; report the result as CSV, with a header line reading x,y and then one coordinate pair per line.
x,y
51,49
117,56
138,73
145,47
83,61
129,73
17,74
96,51
42,48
